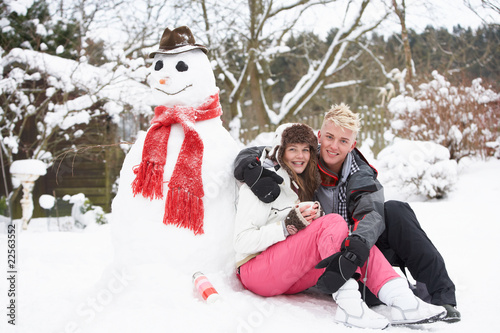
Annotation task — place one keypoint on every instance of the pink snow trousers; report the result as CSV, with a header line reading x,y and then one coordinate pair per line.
x,y
287,267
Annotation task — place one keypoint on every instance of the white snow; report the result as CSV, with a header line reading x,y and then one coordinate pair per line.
x,y
28,167
67,282
19,6
418,168
46,201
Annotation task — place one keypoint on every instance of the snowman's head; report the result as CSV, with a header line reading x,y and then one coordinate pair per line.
x,y
182,79
181,73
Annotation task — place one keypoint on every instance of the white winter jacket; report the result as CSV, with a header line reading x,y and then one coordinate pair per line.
x,y
260,225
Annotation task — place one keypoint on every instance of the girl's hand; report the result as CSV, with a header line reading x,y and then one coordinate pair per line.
x,y
309,211
300,216
292,230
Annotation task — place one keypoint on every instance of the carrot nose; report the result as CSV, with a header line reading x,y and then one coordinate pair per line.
x,y
163,81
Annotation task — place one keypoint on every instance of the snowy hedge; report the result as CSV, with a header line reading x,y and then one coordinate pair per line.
x,y
418,168
463,119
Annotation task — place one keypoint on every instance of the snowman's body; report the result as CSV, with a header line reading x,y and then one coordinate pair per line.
x,y
148,248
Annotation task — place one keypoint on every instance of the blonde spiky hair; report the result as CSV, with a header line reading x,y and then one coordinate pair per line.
x,y
342,116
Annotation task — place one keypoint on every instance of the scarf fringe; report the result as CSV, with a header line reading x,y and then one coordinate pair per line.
x,y
148,180
183,209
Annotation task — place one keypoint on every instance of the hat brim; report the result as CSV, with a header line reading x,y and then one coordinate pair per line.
x,y
181,49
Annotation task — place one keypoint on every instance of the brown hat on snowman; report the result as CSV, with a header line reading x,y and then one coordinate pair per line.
x,y
176,41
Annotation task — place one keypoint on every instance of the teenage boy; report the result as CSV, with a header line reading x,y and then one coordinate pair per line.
x,y
349,187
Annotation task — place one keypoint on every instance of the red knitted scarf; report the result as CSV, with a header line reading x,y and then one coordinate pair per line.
x,y
184,204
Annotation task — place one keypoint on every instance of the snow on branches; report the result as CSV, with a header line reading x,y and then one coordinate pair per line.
x,y
463,119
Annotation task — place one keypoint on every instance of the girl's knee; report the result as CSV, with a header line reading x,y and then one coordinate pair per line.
x,y
333,221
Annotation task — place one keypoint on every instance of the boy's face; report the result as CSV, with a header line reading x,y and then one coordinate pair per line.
x,y
336,142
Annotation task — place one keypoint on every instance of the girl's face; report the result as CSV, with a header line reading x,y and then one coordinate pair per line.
x,y
297,156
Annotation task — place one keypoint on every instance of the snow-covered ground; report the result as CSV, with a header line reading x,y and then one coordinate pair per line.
x,y
66,282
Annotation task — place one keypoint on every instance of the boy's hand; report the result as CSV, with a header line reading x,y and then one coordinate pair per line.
x,y
342,265
263,183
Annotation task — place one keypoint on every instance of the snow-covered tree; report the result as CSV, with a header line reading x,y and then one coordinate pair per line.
x,y
45,99
246,38
400,10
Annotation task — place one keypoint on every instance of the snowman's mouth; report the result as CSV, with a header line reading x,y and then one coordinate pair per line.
x,y
175,93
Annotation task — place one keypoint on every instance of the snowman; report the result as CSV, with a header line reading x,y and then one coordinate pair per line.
x,y
173,214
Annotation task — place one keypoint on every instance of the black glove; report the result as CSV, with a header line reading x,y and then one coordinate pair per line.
x,y
342,265
263,183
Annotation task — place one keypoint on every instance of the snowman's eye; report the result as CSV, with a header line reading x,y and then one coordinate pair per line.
x,y
181,66
158,65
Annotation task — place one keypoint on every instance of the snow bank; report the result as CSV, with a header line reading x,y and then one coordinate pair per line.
x,y
417,168
62,287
